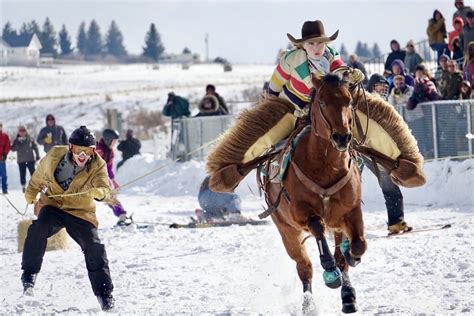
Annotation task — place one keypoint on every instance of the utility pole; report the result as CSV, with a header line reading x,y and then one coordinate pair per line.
x,y
206,40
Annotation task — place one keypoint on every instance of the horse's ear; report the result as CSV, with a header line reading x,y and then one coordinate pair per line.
x,y
317,81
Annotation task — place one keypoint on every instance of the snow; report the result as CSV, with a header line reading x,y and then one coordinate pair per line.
x,y
229,270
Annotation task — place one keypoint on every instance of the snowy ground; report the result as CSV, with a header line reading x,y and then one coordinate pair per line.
x,y
232,270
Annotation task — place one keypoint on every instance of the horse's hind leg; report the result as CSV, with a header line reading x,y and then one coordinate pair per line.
x,y
348,294
332,275
292,241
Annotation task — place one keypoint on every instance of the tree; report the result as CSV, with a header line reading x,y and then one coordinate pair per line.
x,y
48,39
343,52
359,51
65,42
186,51
30,29
94,39
8,33
82,39
153,46
376,51
367,51
114,41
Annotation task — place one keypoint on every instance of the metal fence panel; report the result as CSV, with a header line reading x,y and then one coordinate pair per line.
x,y
192,133
440,129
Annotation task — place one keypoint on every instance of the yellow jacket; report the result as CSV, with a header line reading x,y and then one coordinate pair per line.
x,y
94,175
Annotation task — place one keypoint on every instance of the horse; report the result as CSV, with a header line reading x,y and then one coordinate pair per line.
x,y
322,190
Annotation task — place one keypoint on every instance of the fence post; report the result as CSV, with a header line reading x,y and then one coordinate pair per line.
x,y
469,128
435,130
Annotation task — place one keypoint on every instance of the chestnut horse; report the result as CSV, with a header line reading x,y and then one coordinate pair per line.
x,y
322,190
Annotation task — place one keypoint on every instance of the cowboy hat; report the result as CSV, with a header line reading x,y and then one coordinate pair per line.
x,y
314,31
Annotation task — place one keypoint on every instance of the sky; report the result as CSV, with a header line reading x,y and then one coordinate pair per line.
x,y
240,31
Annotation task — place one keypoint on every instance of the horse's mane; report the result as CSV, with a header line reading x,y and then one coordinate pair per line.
x,y
334,80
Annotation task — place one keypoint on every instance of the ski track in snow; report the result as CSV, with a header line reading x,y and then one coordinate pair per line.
x,y
227,270
244,269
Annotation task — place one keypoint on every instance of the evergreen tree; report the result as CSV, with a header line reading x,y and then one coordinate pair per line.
x,y
153,46
94,39
367,51
114,41
343,52
65,42
186,51
30,29
48,39
82,39
24,29
8,33
359,51
376,51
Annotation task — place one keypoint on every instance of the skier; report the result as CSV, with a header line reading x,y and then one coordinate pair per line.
x,y
129,147
105,149
64,170
217,205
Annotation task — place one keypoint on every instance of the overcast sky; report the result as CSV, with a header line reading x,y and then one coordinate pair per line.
x,y
240,31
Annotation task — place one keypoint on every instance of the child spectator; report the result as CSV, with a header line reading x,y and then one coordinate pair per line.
x,y
27,154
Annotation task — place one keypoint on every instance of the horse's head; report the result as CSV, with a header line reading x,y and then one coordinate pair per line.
x,y
332,111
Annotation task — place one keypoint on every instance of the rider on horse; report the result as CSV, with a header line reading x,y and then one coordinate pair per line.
x,y
275,117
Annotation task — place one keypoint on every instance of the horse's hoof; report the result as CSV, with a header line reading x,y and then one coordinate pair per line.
x,y
345,249
333,278
348,308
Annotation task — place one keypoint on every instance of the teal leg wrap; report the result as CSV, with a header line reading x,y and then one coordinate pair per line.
x,y
333,278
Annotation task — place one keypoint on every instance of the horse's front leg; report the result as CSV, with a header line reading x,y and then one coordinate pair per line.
x,y
354,227
348,293
332,274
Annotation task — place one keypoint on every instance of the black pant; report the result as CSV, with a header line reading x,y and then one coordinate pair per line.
x,y
391,193
50,220
120,163
23,166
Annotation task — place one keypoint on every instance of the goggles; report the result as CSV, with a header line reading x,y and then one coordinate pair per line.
x,y
78,150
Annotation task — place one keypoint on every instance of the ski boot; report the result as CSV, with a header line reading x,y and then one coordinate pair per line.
x,y
399,228
124,220
28,281
107,302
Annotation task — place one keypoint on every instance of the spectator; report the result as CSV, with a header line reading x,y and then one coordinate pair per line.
x,y
401,92
458,24
412,58
27,154
458,55
354,62
467,33
211,90
378,84
209,106
398,68
469,64
4,150
466,91
437,33
52,134
105,149
129,147
441,75
453,83
176,106
461,10
421,71
395,54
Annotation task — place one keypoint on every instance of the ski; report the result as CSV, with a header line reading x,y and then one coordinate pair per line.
x,y
420,230
219,224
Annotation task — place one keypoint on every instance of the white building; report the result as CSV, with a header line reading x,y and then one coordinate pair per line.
x,y
22,50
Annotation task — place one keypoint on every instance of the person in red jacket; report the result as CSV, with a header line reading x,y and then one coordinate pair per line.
x,y
4,150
